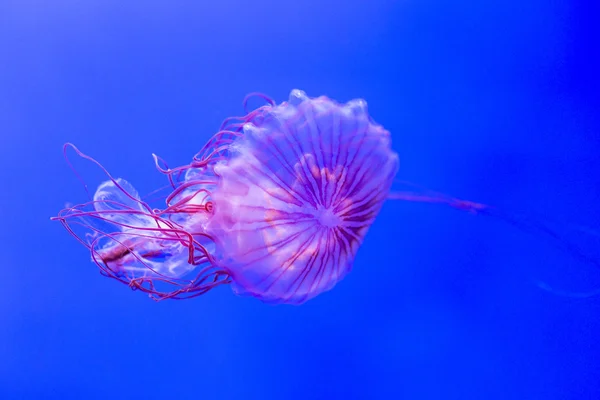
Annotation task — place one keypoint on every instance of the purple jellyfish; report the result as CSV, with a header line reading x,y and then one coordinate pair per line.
x,y
277,204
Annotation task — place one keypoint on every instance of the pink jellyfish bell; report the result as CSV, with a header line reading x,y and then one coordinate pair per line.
x,y
297,195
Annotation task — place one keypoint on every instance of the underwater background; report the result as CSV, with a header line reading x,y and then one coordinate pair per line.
x,y
495,102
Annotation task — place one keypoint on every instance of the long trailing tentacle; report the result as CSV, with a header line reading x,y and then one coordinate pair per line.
x,y
552,232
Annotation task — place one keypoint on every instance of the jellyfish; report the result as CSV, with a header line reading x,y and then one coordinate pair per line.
x,y
276,204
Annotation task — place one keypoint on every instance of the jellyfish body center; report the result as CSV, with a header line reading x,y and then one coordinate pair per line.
x,y
327,217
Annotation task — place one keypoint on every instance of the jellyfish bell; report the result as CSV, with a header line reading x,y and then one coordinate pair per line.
x,y
297,196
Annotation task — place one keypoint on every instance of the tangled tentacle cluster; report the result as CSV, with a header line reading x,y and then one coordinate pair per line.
x,y
132,242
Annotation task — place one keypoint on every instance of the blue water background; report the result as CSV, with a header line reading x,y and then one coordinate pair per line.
x,y
491,101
